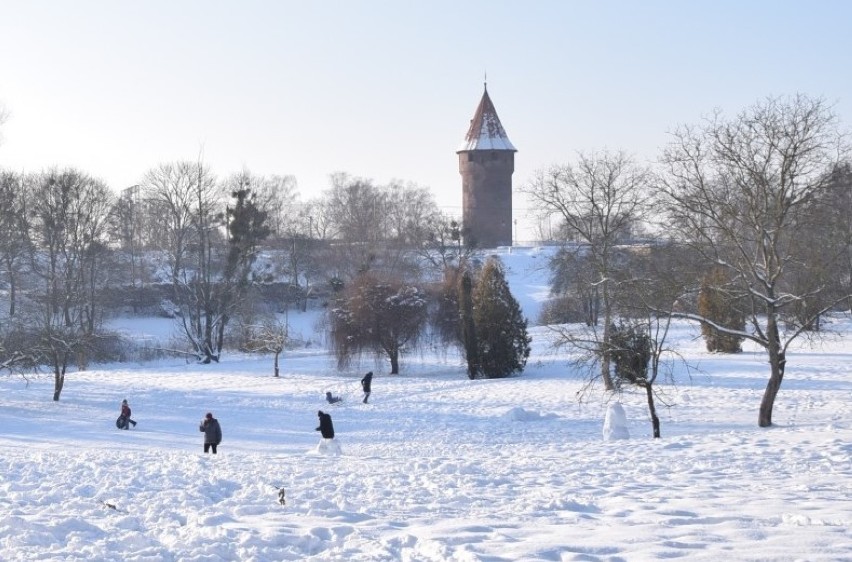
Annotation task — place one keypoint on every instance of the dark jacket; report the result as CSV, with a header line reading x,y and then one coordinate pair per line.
x,y
325,426
125,410
212,431
365,382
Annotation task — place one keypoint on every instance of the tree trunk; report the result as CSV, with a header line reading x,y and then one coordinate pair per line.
x,y
605,353
12,292
58,383
394,361
777,361
220,333
277,353
589,310
652,409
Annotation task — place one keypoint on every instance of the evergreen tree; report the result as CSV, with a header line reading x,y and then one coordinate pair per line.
x,y
631,352
468,324
247,228
717,304
501,328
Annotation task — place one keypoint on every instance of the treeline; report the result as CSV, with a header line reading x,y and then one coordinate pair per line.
x,y
222,257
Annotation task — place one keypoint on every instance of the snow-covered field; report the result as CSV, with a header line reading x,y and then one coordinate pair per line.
x,y
435,467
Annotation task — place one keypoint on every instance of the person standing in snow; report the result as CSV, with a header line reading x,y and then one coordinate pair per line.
x,y
326,428
212,432
124,421
365,384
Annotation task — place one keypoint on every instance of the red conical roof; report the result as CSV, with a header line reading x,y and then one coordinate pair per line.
x,y
486,132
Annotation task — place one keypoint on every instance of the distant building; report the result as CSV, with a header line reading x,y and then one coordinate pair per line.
x,y
486,164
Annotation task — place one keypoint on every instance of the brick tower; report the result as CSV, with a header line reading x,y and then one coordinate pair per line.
x,y
486,164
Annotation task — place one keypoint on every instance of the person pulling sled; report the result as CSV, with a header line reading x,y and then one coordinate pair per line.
x,y
124,421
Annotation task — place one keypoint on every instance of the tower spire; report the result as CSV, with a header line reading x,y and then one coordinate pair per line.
x,y
486,132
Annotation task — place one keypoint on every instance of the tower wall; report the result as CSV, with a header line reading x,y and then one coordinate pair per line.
x,y
487,196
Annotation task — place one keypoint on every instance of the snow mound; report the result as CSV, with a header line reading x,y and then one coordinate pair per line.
x,y
519,414
328,447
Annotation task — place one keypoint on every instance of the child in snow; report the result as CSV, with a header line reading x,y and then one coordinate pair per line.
x,y
212,432
325,426
365,384
327,445
124,421
332,399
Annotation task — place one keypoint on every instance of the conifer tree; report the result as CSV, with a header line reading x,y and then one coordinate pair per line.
x,y
501,328
247,228
717,305
468,325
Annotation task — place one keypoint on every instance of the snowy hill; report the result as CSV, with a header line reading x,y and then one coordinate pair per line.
x,y
436,467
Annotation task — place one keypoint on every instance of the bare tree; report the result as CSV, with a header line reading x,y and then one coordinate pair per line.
x,y
69,218
173,191
444,245
135,231
189,200
320,219
13,357
358,208
658,278
411,214
574,275
737,190
375,228
14,232
599,199
271,336
278,196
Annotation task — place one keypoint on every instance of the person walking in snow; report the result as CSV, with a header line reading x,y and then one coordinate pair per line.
x,y
332,399
124,421
212,432
365,384
326,428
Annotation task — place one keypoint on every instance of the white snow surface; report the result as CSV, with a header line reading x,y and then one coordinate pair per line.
x,y
436,467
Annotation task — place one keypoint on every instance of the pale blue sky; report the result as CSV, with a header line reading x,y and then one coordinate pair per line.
x,y
386,89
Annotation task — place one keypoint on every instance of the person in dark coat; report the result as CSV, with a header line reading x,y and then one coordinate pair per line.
x,y
325,428
332,399
124,421
212,432
365,384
